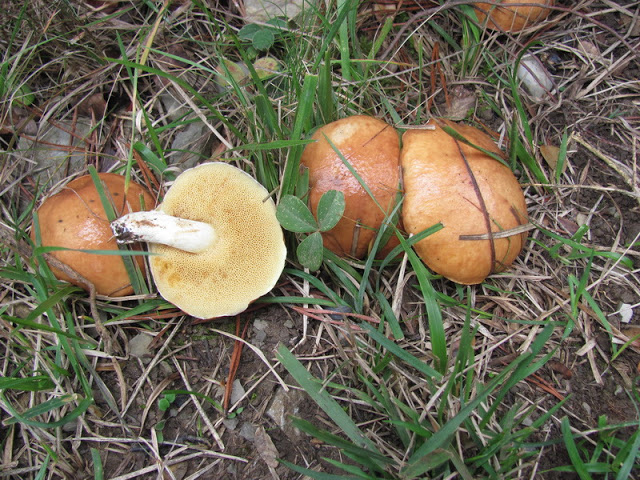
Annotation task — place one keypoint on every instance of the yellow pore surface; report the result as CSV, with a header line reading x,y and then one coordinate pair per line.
x,y
244,262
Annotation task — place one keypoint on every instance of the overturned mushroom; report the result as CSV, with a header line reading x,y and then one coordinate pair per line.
x,y
75,219
372,149
215,240
472,194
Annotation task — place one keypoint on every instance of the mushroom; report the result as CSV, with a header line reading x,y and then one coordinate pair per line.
x,y
506,17
372,149
215,241
75,219
449,181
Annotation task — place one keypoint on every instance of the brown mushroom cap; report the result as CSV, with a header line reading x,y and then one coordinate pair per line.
x,y
244,261
466,190
75,218
510,18
372,148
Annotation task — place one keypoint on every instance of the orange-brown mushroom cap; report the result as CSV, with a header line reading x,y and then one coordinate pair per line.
x,y
372,148
245,259
512,18
74,218
447,181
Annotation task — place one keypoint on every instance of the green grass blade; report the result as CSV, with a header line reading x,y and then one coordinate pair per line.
x,y
416,464
313,387
98,470
36,383
316,475
47,407
572,450
401,353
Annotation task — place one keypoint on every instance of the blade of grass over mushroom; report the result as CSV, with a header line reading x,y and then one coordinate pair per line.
x,y
387,229
409,242
133,270
353,171
314,388
461,138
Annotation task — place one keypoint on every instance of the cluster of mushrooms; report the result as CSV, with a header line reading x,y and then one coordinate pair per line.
x,y
216,245
448,173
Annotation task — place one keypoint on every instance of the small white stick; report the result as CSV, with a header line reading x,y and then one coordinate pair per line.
x,y
158,227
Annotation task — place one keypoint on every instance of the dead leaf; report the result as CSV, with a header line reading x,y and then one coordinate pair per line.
x,y
18,121
265,447
551,155
633,334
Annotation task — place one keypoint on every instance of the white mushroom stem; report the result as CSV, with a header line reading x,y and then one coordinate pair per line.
x,y
158,227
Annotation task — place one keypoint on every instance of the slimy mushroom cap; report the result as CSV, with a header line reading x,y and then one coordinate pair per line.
x,y
447,181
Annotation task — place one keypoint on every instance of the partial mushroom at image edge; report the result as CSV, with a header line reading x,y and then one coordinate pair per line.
x,y
74,218
512,15
238,254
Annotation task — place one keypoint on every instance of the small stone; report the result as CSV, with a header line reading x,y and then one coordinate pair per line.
x,y
283,406
260,336
231,423
247,431
260,324
139,345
